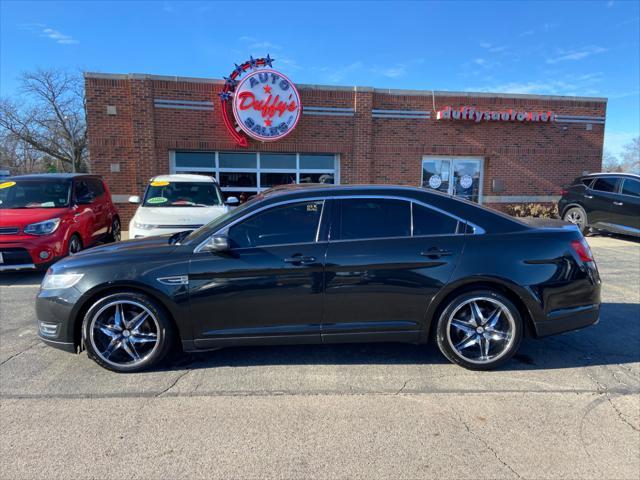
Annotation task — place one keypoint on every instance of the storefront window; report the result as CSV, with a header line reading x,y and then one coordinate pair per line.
x,y
317,162
237,160
196,160
278,160
244,175
461,177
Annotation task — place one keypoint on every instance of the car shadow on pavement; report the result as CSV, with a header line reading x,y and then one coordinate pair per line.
x,y
615,340
8,279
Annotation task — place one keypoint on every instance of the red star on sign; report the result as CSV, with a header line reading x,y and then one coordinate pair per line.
x,y
267,89
267,122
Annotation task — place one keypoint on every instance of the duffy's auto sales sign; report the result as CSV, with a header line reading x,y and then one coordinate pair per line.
x,y
265,103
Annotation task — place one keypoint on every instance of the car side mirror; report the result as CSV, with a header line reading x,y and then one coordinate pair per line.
x,y
134,199
233,201
217,244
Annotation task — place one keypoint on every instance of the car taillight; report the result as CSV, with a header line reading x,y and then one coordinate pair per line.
x,y
581,247
563,192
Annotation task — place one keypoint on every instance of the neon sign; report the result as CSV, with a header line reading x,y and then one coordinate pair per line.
x,y
511,115
265,103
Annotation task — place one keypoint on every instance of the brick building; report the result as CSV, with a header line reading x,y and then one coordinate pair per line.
x,y
491,148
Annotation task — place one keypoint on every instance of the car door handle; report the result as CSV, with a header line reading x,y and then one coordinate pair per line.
x,y
618,203
300,260
588,196
436,252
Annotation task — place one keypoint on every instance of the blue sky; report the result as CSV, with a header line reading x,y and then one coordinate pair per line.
x,y
573,48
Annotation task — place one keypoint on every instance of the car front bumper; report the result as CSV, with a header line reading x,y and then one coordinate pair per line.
x,y
26,252
55,311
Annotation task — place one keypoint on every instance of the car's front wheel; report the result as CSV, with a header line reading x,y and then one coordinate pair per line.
x,y
127,332
479,330
75,245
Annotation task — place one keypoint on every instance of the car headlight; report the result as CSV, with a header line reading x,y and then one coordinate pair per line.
x,y
42,228
60,280
144,226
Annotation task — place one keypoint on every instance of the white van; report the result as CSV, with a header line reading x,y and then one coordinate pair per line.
x,y
174,203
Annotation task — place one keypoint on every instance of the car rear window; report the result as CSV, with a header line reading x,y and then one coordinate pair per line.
x,y
585,181
427,221
631,187
605,184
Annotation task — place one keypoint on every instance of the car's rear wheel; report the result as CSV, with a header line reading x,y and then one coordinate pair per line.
x,y
127,332
577,216
479,330
75,245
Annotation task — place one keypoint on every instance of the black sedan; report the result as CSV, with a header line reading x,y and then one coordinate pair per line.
x,y
321,264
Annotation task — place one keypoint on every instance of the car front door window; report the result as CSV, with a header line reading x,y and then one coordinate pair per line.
x,y
282,225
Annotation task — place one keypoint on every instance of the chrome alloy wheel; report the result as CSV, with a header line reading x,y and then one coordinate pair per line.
x,y
74,245
124,333
576,217
481,330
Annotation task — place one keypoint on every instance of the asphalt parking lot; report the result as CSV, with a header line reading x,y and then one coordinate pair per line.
x,y
566,406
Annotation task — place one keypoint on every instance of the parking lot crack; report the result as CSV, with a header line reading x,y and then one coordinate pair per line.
x,y
175,382
20,353
403,387
484,443
603,389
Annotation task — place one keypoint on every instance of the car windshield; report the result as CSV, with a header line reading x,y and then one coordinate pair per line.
x,y
182,194
34,193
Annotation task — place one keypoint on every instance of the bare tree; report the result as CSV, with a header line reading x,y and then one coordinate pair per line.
x,y
631,156
610,162
51,117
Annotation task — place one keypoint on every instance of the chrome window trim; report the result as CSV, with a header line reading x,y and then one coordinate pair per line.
x,y
477,230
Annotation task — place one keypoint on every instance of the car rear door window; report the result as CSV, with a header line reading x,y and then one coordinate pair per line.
x,y
427,221
605,184
365,218
283,225
631,187
83,192
96,187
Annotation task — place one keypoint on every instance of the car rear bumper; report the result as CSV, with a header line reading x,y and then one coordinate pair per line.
x,y
568,319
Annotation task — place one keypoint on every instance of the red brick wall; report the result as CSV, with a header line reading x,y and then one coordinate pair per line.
x,y
531,159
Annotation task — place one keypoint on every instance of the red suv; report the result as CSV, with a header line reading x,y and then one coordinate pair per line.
x,y
49,216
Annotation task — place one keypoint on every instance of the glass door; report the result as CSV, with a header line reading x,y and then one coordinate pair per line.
x,y
435,174
461,177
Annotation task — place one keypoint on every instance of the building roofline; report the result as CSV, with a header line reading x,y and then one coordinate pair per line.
x,y
388,91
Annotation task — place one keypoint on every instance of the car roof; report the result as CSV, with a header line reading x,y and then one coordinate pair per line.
x,y
355,189
50,176
614,174
183,177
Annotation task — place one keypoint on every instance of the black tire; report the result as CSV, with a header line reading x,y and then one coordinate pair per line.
x,y
115,234
459,311
74,245
120,359
577,216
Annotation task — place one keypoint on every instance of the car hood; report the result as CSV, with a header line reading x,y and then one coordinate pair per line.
x,y
20,217
130,251
187,216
